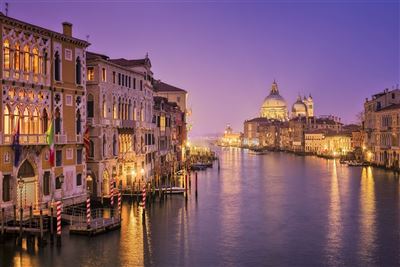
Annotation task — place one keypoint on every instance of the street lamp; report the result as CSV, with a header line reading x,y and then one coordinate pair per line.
x,y
142,173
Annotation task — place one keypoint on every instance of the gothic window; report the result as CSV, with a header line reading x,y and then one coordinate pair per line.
x,y
134,111
15,119
6,54
78,122
104,145
17,61
7,121
119,108
35,61
57,121
78,70
90,106
79,179
57,67
25,122
114,145
6,188
35,125
44,62
45,121
27,63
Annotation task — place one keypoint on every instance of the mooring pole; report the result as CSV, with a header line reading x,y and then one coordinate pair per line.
x,y
51,224
195,184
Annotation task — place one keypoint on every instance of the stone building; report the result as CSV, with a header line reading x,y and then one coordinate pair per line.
x,y
382,128
274,105
120,120
43,95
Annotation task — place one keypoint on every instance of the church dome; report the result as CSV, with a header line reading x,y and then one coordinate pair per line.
x,y
299,108
274,105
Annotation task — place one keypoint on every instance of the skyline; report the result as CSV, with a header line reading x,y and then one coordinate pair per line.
x,y
340,53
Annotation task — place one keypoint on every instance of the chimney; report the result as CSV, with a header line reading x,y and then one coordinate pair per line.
x,y
67,29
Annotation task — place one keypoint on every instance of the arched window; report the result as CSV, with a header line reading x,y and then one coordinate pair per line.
x,y
6,55
44,62
78,71
27,59
35,61
134,111
104,145
7,121
78,122
90,106
16,119
130,110
17,61
57,121
104,107
114,145
25,122
119,109
115,112
35,125
57,67
45,121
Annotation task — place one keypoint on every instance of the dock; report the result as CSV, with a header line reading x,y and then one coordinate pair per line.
x,y
97,226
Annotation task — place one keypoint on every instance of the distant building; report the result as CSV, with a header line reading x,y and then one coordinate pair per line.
x,y
274,105
230,138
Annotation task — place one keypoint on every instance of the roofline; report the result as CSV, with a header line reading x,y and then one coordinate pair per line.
x,y
40,30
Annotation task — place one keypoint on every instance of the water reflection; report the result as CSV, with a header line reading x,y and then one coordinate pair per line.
x,y
335,223
367,218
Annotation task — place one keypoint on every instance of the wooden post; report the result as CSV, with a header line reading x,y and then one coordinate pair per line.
x,y
15,215
190,179
2,223
51,225
41,239
195,184
21,211
30,216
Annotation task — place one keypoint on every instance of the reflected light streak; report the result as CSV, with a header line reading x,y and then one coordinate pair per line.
x,y
367,216
335,227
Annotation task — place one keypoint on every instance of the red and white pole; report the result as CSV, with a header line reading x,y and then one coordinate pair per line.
x,y
112,192
119,203
144,196
59,223
88,212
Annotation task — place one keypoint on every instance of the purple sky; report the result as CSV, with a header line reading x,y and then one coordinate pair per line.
x,y
226,55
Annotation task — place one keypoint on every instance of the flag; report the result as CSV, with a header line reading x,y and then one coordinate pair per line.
x,y
50,142
15,144
86,141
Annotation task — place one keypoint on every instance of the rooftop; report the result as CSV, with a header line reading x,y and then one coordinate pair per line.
x,y
160,86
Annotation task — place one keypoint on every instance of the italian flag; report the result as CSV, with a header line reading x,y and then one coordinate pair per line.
x,y
50,142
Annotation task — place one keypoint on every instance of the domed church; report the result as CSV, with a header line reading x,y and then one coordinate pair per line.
x,y
274,105
303,108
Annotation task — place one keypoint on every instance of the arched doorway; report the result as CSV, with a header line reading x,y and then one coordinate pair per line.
x,y
106,183
27,190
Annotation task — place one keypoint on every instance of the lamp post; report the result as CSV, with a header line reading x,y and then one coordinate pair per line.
x,y
142,173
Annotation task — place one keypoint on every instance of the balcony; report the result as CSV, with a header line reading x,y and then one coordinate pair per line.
x,y
79,138
60,139
25,139
106,121
90,121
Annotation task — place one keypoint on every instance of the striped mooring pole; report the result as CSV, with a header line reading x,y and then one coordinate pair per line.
x,y
119,203
88,213
59,223
144,196
112,192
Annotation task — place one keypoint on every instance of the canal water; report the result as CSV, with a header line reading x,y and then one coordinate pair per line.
x,y
260,210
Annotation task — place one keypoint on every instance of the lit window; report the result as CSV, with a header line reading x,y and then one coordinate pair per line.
x,y
90,74
17,61
35,61
7,120
103,75
6,55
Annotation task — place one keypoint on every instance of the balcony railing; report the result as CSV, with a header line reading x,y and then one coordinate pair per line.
x,y
60,139
79,138
25,139
128,124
